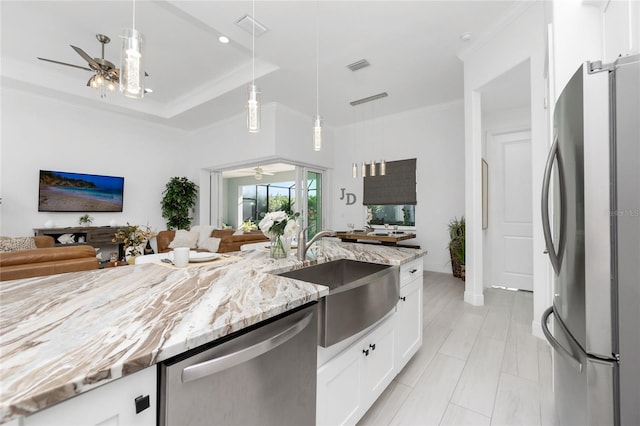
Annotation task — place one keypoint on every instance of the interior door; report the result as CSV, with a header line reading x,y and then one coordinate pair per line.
x,y
510,211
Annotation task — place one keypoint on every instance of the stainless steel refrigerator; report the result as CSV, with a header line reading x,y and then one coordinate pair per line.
x,y
592,236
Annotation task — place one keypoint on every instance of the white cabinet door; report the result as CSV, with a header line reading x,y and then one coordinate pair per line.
x,y
338,399
378,350
108,405
409,322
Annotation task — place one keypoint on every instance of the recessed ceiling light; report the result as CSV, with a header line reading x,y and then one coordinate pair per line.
x,y
465,36
223,39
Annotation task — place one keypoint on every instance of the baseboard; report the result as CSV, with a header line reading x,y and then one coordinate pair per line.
x,y
474,299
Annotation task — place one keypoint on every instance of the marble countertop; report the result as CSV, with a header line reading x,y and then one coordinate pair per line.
x,y
62,335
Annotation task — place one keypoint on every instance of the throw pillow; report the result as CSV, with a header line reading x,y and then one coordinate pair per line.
x,y
18,243
204,232
211,244
184,239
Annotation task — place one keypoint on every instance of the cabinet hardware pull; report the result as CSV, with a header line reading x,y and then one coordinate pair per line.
x,y
403,298
373,347
413,271
365,352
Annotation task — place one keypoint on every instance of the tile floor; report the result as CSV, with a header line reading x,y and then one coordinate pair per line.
x,y
477,365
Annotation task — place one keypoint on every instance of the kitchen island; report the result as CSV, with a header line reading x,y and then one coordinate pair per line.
x,y
66,334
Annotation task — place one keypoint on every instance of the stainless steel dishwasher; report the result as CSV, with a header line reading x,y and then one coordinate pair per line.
x,y
264,376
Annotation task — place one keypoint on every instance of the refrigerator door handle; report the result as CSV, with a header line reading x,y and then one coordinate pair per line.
x,y
566,354
554,256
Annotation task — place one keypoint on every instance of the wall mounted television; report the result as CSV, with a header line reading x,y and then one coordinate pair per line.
x,y
79,192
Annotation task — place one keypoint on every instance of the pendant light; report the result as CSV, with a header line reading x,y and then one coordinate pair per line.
x,y
253,101
317,123
132,61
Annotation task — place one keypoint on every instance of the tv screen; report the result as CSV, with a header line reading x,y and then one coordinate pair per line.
x,y
77,192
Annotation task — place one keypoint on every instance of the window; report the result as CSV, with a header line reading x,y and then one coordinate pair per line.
x,y
260,199
391,199
401,215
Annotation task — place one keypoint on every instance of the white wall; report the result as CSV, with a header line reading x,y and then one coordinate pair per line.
x,y
285,135
521,40
43,133
433,135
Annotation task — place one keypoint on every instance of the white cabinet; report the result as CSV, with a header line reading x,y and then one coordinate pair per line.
x,y
409,322
352,379
349,383
109,405
409,313
378,363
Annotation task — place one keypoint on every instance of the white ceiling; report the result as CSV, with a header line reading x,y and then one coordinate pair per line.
x,y
412,47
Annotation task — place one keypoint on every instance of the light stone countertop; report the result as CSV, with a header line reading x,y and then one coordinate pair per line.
x,y
62,335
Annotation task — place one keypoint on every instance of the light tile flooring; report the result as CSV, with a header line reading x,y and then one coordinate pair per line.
x,y
477,365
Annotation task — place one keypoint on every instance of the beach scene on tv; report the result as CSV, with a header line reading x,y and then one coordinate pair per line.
x,y
76,192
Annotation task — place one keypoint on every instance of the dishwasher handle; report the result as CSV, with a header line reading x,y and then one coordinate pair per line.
x,y
213,366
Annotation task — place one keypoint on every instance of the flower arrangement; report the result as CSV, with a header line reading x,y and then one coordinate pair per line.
x,y
277,225
248,226
133,236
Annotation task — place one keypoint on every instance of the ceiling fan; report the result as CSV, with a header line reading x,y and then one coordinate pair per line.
x,y
105,72
259,173
106,75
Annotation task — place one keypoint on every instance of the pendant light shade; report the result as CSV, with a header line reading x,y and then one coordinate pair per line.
x,y
354,170
364,169
383,168
317,133
372,169
317,123
253,101
253,109
132,64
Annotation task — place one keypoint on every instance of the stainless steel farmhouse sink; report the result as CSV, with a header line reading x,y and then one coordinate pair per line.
x,y
360,293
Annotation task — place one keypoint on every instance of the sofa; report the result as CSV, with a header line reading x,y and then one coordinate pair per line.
x,y
45,259
228,240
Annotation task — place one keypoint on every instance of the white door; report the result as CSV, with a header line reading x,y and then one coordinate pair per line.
x,y
509,234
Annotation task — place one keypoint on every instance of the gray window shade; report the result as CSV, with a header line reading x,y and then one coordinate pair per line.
x,y
396,187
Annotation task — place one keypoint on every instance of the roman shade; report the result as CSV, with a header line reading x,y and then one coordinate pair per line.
x,y
396,187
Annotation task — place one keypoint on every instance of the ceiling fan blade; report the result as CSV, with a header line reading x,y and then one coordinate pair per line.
x,y
92,63
64,63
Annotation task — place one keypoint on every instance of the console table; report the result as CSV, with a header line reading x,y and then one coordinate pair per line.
x,y
384,239
93,235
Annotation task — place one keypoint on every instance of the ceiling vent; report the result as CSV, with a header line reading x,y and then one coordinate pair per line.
x,y
369,99
246,23
358,65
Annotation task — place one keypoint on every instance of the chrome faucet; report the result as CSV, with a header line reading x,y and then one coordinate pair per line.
x,y
303,246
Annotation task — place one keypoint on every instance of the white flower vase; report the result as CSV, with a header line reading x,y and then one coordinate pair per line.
x,y
279,246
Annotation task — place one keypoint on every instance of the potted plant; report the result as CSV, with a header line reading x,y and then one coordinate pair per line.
x,y
179,198
457,246
85,220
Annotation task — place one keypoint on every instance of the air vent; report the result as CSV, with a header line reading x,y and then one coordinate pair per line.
x,y
246,23
358,65
369,99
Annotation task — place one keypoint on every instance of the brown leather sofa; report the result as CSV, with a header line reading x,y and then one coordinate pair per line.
x,y
228,241
46,259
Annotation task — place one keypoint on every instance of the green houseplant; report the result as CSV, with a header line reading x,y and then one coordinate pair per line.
x,y
179,199
457,246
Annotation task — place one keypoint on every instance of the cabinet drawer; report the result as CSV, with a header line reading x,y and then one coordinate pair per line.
x,y
410,271
102,235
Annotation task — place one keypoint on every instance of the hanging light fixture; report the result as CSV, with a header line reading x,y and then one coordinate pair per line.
x,y
253,101
383,168
132,61
317,123
354,170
